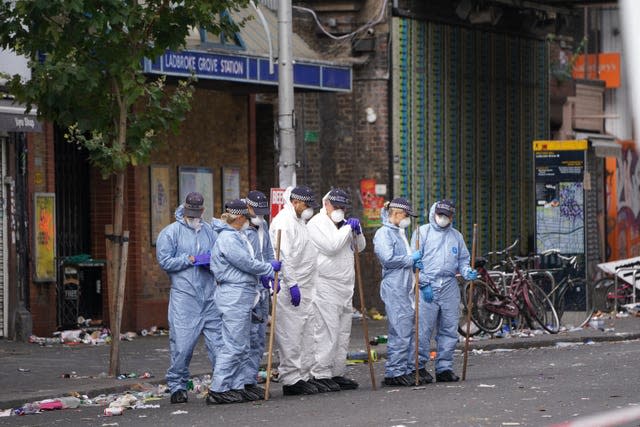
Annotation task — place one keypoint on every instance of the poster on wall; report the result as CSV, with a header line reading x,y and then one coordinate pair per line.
x,y
371,203
200,180
230,183
276,202
45,237
559,192
159,196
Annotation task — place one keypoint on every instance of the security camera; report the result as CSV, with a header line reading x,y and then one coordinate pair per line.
x,y
371,31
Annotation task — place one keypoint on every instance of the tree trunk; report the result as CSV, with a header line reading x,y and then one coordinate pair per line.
x,y
116,287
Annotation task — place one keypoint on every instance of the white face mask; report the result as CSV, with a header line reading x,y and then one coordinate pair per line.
x,y
257,220
245,226
404,222
194,223
337,215
307,214
443,221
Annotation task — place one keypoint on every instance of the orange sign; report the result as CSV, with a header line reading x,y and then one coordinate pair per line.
x,y
608,68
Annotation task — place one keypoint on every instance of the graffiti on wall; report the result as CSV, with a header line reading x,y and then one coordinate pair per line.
x,y
623,204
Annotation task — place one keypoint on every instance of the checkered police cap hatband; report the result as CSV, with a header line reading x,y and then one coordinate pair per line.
x,y
260,204
237,211
338,198
306,199
400,206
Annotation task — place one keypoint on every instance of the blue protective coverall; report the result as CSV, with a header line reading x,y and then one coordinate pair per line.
x,y
192,309
444,254
259,238
394,253
236,268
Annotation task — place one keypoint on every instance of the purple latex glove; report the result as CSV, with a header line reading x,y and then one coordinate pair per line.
x,y
265,280
295,295
202,259
275,264
354,223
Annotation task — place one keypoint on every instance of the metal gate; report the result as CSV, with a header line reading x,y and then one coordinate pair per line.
x,y
4,285
73,203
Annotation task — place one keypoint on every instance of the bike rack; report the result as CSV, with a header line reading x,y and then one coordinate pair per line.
x,y
635,271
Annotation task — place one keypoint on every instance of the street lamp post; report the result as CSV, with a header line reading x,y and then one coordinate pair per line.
x,y
286,117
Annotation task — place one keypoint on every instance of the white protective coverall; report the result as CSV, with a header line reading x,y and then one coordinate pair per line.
x,y
334,292
294,327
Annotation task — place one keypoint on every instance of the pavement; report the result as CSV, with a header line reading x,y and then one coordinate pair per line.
x,y
31,372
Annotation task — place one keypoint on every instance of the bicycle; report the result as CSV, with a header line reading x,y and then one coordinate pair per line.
x,y
520,298
606,298
570,292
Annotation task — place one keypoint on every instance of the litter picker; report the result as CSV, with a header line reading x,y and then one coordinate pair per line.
x,y
417,315
365,326
469,305
272,328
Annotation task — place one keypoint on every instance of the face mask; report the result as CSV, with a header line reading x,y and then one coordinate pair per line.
x,y
257,220
245,226
404,222
337,215
193,222
307,214
443,221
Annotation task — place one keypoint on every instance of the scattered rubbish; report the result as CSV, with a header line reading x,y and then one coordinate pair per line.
x,y
380,339
262,376
486,385
179,412
374,314
111,411
596,323
563,344
419,388
24,370
362,355
510,424
356,314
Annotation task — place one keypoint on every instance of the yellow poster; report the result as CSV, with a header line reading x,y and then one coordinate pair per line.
x,y
45,237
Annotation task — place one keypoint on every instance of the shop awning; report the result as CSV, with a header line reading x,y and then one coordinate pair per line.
x,y
245,58
14,119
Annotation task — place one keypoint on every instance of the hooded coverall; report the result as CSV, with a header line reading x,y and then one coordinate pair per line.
x,y
294,325
394,253
192,309
444,254
237,270
334,293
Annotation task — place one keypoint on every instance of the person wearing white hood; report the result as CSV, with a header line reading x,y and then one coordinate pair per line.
x,y
294,326
332,235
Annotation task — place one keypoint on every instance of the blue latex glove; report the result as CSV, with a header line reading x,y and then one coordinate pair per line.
x,y
295,295
354,223
417,256
275,264
418,265
202,259
427,293
470,274
266,282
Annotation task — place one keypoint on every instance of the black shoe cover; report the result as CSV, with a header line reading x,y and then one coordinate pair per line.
x,y
219,398
345,383
322,388
248,395
329,383
179,396
399,381
301,387
255,389
446,377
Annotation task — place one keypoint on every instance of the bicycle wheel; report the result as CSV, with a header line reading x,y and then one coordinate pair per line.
x,y
539,306
462,321
603,298
580,303
486,320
